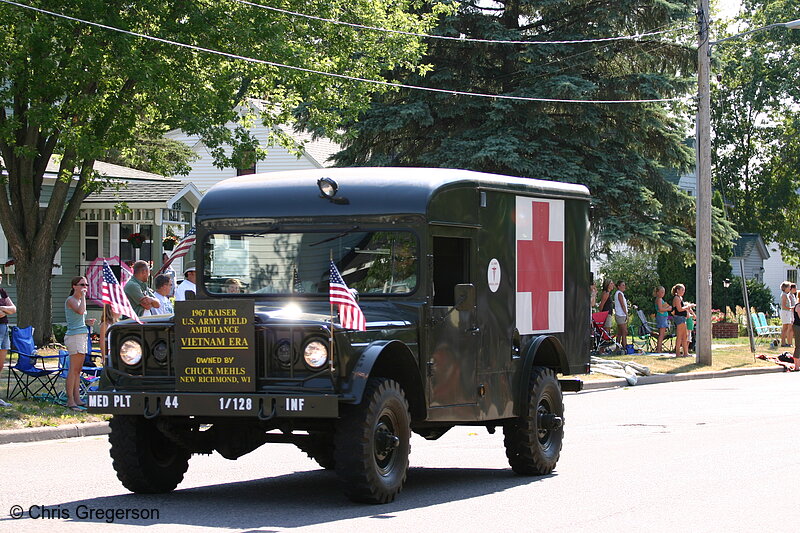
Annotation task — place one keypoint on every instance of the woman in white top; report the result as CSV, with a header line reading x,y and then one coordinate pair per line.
x,y
786,315
621,314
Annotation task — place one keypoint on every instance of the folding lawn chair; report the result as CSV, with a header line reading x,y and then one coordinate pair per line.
x,y
764,331
88,377
648,334
90,372
32,378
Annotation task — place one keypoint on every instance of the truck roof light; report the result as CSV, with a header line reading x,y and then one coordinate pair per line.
x,y
328,187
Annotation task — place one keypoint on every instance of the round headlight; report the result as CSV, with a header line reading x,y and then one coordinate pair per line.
x,y
160,352
315,354
130,352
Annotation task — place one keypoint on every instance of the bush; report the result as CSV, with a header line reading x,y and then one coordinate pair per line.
x,y
58,332
759,294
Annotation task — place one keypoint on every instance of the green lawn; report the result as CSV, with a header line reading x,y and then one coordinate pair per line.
x,y
725,354
37,413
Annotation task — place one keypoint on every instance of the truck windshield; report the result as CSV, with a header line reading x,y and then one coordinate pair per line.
x,y
372,262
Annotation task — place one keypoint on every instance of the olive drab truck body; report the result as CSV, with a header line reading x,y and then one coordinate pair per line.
x,y
475,292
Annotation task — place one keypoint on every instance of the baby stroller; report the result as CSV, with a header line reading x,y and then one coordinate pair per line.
x,y
602,340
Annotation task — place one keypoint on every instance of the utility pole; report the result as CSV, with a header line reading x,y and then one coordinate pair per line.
x,y
703,200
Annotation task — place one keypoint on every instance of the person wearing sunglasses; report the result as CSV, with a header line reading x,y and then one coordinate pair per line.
x,y
76,340
7,307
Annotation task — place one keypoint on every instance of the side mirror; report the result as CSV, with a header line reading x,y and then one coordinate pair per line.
x,y
465,296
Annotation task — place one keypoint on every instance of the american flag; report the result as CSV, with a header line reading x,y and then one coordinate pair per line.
x,y
112,294
350,313
180,250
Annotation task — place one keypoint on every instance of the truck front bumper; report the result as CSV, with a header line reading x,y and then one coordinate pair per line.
x,y
263,406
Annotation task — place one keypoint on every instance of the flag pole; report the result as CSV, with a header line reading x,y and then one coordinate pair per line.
x,y
330,274
331,303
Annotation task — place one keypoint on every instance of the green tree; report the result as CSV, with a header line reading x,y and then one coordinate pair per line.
x,y
621,152
638,271
156,154
82,91
756,153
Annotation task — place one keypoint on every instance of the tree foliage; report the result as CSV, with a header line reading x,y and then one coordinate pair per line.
x,y
638,271
156,154
82,91
620,151
755,149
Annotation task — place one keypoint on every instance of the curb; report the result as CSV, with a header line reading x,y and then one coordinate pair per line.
x,y
685,376
52,433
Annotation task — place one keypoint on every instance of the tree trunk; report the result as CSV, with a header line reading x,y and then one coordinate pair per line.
x,y
34,295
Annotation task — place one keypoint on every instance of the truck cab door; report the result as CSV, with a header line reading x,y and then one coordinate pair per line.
x,y
453,345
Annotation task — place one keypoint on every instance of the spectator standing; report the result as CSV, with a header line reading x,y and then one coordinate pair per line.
x,y
141,296
163,285
662,316
187,289
607,302
7,307
109,318
796,328
680,311
621,315
76,339
169,271
787,320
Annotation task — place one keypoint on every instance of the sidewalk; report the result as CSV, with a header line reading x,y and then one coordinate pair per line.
x,y
101,428
686,376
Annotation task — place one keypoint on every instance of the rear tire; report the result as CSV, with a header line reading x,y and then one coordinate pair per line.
x,y
533,444
372,443
145,460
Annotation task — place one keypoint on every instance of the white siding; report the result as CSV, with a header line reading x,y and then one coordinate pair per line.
x,y
775,270
204,174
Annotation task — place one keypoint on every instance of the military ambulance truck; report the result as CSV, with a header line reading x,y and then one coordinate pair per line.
x,y
474,290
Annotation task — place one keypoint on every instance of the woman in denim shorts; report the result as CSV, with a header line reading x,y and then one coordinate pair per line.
x,y
679,313
662,316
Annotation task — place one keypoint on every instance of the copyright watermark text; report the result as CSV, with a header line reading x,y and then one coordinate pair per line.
x,y
84,512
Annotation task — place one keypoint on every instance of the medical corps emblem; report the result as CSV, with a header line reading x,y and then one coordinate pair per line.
x,y
540,265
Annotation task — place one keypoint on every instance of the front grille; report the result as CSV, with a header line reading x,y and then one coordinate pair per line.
x,y
290,339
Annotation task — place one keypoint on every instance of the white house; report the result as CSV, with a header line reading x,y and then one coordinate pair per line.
x,y
204,173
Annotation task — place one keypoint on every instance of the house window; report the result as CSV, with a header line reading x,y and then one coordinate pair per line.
x,y
127,252
791,275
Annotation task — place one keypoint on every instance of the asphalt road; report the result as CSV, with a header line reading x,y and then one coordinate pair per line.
x,y
706,455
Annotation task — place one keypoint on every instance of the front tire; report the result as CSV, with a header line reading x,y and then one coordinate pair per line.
x,y
533,440
145,460
372,444
319,446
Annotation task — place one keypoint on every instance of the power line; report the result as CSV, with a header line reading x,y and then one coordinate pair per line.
x,y
333,74
460,39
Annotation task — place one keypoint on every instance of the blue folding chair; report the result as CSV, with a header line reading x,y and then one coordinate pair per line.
x,y
89,376
90,372
32,378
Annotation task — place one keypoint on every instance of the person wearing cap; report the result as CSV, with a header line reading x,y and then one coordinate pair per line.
x,y
187,286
